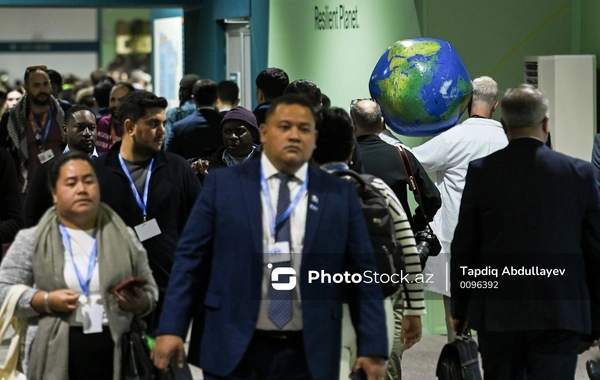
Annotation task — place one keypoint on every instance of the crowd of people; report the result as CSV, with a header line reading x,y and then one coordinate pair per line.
x,y
225,213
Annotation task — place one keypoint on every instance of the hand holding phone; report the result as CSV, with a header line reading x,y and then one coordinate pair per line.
x,y
131,297
129,284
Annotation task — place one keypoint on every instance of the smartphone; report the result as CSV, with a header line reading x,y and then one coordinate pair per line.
x,y
130,283
359,374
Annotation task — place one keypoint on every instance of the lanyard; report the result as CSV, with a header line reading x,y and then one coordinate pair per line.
x,y
38,127
84,283
264,106
288,212
141,202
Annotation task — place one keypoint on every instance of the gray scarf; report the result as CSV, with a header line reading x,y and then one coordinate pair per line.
x,y
116,260
18,121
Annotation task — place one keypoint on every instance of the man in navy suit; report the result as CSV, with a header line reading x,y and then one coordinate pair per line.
x,y
596,156
530,221
258,230
199,134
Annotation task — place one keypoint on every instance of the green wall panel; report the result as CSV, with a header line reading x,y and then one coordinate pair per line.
x,y
340,57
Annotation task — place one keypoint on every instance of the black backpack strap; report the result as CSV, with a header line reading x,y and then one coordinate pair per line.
x,y
352,174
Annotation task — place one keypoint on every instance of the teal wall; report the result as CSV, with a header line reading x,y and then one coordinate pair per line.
x,y
100,3
204,36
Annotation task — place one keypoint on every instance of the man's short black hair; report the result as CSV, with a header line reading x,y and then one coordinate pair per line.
x,y
102,94
228,91
335,141
326,102
291,99
205,92
71,110
135,104
55,78
272,82
307,88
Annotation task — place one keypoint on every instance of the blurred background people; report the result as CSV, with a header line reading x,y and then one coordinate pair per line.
x,y
32,130
81,131
109,130
186,104
228,94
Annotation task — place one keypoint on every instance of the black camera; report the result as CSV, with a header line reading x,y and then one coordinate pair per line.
x,y
427,245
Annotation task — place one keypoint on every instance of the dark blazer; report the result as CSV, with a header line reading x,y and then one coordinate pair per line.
x,y
217,275
11,206
196,135
596,156
172,193
527,206
216,160
383,161
39,198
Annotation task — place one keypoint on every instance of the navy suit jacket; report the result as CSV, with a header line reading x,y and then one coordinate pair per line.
x,y
217,275
197,135
596,156
528,206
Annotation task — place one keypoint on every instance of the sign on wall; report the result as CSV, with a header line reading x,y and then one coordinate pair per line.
x,y
337,43
168,58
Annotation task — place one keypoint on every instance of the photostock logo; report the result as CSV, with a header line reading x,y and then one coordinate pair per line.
x,y
282,271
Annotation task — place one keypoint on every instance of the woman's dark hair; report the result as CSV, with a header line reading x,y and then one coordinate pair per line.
x,y
335,141
60,161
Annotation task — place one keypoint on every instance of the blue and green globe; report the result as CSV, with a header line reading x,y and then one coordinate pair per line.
x,y
422,86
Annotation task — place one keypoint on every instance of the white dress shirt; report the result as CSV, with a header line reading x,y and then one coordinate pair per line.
x,y
448,155
82,242
297,225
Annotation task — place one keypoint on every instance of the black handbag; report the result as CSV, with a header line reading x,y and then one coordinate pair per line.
x,y
136,363
428,243
459,360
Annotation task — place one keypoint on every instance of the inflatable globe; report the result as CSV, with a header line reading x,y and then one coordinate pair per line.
x,y
422,86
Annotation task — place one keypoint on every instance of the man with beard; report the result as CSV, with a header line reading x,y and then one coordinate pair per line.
x,y
109,131
32,130
80,129
152,190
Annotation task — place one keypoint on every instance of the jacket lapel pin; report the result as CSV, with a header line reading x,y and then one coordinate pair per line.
x,y
314,202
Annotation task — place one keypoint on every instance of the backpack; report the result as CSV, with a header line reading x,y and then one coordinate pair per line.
x,y
380,225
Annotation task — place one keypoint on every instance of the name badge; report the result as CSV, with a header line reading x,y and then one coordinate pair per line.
x,y
90,314
147,230
278,252
46,156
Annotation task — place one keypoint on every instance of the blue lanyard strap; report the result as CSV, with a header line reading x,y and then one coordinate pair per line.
x,y
84,283
142,202
288,212
38,127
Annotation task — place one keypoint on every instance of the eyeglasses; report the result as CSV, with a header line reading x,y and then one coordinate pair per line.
x,y
353,102
36,68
